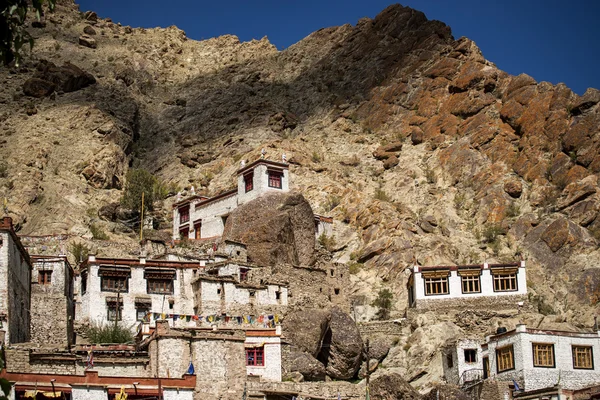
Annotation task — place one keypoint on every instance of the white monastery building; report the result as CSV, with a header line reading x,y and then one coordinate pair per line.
x,y
200,217
430,286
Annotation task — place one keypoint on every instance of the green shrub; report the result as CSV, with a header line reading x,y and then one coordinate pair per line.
x,y
513,210
354,267
316,157
381,195
332,202
109,333
384,302
327,241
80,252
140,181
491,233
98,233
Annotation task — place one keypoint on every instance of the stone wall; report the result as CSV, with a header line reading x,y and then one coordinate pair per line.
x,y
329,390
21,359
51,321
15,276
378,328
509,302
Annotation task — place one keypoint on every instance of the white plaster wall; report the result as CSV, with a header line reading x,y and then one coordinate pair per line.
x,y
460,362
271,371
91,393
93,304
210,214
261,184
174,394
455,285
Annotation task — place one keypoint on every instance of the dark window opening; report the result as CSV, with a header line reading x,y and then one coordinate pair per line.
x,y
184,233
83,283
449,360
249,182
243,274
252,293
171,304
336,291
219,291
278,295
115,313
45,277
470,355
224,219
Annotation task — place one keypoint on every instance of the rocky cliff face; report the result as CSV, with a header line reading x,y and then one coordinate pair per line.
x,y
421,149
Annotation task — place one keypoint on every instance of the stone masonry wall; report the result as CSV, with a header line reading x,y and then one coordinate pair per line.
x,y
49,318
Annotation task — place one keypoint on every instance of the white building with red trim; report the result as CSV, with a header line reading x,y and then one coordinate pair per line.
x,y
200,217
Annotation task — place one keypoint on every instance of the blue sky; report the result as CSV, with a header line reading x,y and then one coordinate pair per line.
x,y
551,40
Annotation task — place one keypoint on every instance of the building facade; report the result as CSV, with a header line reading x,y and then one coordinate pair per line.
x,y
128,289
538,359
52,295
15,286
454,286
200,217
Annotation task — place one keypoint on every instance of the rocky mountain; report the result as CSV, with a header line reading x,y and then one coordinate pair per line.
x,y
421,149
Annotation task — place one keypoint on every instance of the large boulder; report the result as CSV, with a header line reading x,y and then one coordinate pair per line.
x,y
306,329
277,228
307,365
67,78
393,387
345,346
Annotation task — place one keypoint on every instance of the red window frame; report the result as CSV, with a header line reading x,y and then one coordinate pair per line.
x,y
184,214
255,357
45,277
275,178
184,233
243,274
249,181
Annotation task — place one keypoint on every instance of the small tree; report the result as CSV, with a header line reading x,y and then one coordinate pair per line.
x,y
139,181
384,302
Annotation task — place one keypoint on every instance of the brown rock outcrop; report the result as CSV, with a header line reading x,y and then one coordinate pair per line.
x,y
393,387
345,346
278,228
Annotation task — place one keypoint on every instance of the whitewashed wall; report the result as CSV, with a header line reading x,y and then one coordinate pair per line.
x,y
260,184
94,306
271,371
455,285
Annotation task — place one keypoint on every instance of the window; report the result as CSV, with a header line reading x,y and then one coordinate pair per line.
x,y
470,280
198,230
160,286
275,179
470,355
505,358
582,357
436,283
115,313
45,277
83,282
243,274
255,356
449,360
140,312
184,233
114,284
184,214
543,355
249,181
159,281
505,281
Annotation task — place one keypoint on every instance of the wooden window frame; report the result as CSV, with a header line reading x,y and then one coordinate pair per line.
x,y
509,351
470,283
197,229
275,179
543,355
45,277
108,283
249,182
255,357
501,278
184,233
141,308
159,285
437,283
589,355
